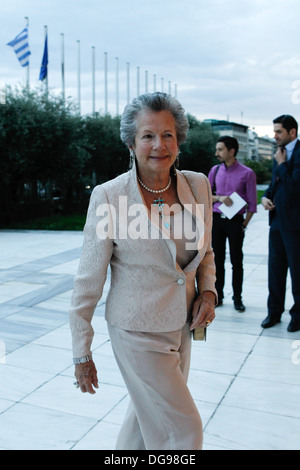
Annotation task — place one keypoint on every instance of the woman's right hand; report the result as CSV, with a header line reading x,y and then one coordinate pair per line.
x,y
86,375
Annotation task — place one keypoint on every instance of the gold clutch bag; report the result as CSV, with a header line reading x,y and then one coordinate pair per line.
x,y
199,334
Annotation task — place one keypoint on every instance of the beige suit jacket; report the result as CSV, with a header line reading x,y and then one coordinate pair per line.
x,y
149,292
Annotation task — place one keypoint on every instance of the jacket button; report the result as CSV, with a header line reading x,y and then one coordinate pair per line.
x,y
180,282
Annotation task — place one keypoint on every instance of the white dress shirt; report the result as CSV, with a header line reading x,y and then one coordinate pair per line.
x,y
290,148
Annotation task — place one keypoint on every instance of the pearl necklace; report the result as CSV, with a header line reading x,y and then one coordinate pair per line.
x,y
159,201
155,191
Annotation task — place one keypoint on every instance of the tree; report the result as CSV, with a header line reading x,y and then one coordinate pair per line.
x,y
50,154
262,169
108,155
41,146
197,153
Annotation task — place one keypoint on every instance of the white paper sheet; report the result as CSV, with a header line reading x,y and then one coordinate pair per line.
x,y
238,204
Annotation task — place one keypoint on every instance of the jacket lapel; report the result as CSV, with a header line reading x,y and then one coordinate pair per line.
x,y
295,151
186,198
153,221
290,164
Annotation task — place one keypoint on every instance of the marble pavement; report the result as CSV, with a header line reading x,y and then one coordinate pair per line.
x,y
245,380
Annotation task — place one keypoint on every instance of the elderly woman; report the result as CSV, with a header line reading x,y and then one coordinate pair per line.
x,y
162,277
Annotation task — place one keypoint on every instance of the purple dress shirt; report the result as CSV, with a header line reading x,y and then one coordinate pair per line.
x,y
237,178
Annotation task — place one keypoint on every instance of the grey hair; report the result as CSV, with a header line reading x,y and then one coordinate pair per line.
x,y
154,102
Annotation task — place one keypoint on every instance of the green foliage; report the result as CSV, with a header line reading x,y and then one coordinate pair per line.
x,y
197,153
262,169
260,193
41,148
51,157
108,154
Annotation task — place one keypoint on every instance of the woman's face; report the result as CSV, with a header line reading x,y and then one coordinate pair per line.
x,y
156,144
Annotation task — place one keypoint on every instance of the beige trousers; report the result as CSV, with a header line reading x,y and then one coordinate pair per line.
x,y
162,413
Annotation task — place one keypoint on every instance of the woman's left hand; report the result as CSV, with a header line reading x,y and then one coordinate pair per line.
x,y
203,310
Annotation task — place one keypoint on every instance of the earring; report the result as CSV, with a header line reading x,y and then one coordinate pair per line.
x,y
132,157
176,163
177,160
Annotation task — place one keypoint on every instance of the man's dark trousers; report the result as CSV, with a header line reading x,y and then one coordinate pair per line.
x,y
224,228
284,253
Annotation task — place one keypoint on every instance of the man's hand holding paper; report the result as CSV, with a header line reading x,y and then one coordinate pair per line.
x,y
237,203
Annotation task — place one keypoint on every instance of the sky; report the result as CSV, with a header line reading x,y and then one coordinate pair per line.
x,y
236,60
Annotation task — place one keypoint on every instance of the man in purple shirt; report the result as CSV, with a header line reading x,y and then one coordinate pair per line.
x,y
228,177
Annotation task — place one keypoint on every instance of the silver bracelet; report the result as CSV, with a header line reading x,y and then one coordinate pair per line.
x,y
82,360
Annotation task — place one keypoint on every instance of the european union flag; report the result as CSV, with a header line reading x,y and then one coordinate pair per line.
x,y
44,66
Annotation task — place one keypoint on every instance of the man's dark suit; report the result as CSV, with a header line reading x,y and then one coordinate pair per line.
x,y
284,237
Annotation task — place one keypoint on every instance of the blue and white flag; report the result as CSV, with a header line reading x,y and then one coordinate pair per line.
x,y
21,47
44,66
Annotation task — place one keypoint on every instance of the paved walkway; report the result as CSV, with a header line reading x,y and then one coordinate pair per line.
x,y
245,380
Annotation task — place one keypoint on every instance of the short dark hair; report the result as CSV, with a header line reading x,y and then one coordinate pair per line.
x,y
288,122
230,143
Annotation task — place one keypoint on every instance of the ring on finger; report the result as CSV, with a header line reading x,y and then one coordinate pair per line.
x,y
208,323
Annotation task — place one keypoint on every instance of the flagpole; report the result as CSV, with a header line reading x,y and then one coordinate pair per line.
x,y
78,75
62,44
128,82
117,86
27,67
105,81
154,82
138,81
93,80
146,81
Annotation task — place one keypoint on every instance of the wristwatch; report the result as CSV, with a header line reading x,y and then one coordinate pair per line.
x,y
82,360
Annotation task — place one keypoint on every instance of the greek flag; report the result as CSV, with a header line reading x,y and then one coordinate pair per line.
x,y
21,47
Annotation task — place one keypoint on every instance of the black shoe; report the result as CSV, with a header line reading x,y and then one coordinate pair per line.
x,y
219,304
294,326
238,305
270,321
